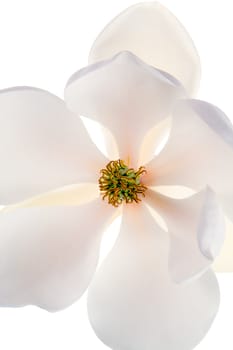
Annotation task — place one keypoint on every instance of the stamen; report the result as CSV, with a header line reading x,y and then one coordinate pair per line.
x,y
120,184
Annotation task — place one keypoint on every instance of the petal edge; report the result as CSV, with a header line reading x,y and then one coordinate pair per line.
x,y
154,34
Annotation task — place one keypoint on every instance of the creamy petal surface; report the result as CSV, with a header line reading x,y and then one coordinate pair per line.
x,y
154,34
72,195
125,95
43,145
196,228
48,255
224,262
133,303
199,151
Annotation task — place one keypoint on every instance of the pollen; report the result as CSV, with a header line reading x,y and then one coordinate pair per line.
x,y
119,183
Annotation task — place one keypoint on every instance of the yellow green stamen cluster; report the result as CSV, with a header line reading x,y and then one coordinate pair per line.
x,y
120,184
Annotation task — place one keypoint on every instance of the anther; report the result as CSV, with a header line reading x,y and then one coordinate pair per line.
x,y
121,184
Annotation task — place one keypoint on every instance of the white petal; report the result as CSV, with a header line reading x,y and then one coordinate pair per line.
x,y
224,262
154,141
64,196
42,145
227,202
197,230
49,254
132,302
102,138
177,192
199,151
125,95
154,34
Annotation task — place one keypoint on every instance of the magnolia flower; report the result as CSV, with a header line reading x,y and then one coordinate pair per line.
x,y
156,288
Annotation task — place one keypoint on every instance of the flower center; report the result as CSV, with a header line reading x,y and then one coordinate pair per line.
x,y
120,184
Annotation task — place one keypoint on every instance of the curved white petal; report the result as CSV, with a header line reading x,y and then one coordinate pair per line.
x,y
196,227
48,255
125,95
43,146
199,151
154,34
132,302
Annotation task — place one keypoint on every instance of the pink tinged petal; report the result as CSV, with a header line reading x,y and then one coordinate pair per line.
x,y
199,151
42,145
48,255
196,227
133,303
155,35
125,95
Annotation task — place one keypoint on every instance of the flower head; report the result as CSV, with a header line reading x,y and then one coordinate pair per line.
x,y
156,288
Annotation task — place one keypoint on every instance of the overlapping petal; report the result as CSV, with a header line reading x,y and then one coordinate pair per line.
x,y
199,151
48,255
155,35
196,228
132,301
43,145
125,95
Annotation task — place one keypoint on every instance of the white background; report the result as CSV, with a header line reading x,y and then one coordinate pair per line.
x,y
41,44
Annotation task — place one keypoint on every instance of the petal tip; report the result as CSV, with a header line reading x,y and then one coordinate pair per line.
x,y
139,27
